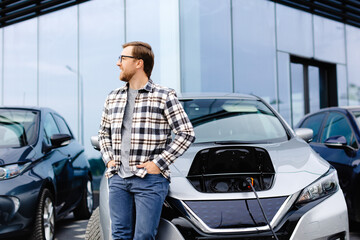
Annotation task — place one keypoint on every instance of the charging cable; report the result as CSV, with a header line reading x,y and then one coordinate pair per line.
x,y
250,182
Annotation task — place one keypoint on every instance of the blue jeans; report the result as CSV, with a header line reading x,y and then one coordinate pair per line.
x,y
135,205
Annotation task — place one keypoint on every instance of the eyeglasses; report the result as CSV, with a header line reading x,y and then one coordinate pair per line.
x,y
125,56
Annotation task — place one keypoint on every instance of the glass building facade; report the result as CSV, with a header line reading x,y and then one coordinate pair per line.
x,y
66,60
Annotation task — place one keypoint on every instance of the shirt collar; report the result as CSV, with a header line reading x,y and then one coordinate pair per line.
x,y
148,86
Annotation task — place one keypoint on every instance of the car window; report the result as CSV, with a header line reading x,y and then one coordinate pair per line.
x,y
64,128
18,127
314,122
50,128
357,117
233,120
337,125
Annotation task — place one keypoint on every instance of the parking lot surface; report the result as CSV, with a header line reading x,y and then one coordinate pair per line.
x,y
70,229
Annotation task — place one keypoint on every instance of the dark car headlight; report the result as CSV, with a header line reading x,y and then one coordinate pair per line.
x,y
326,185
13,170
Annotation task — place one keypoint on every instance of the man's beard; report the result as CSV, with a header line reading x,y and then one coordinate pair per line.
x,y
126,76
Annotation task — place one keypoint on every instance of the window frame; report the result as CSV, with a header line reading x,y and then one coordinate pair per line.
x,y
56,116
347,120
45,138
326,114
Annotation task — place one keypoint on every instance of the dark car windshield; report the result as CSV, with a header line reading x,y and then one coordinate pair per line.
x,y
18,127
233,120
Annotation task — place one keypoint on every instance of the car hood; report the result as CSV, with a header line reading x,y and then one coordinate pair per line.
x,y
15,155
296,166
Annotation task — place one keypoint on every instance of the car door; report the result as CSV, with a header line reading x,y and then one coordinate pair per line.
x,y
337,124
61,163
76,173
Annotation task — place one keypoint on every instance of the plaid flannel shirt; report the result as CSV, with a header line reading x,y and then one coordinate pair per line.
x,y
157,112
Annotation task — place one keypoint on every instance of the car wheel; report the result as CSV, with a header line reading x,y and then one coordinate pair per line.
x,y
44,226
93,231
86,204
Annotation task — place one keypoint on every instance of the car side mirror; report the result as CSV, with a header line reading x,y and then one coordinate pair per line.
x,y
60,140
95,142
336,141
304,133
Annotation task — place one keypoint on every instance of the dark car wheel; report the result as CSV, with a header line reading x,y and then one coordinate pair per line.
x,y
93,228
44,226
86,204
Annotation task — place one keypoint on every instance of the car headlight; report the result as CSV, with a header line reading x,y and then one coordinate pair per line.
x,y
326,185
13,170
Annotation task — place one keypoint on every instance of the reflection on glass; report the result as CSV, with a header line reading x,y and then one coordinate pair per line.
x,y
314,88
58,86
357,117
284,86
254,48
337,125
297,90
314,122
18,128
294,31
20,66
342,85
324,30
353,60
1,68
205,32
156,22
239,120
101,39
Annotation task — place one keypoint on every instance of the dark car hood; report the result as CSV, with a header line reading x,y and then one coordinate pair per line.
x,y
14,155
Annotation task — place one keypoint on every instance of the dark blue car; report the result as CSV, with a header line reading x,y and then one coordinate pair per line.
x,y
44,174
336,138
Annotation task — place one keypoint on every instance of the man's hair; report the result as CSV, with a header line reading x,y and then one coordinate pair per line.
x,y
142,51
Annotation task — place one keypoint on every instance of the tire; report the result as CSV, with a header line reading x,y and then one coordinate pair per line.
x,y
93,231
44,226
86,204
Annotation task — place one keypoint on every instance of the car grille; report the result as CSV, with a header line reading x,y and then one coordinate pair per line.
x,y
244,213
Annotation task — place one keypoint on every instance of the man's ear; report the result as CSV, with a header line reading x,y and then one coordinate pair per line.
x,y
140,63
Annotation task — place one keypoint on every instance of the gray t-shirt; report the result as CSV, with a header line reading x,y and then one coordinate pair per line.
x,y
124,171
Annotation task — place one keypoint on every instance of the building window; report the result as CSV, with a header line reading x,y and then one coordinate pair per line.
x,y
313,86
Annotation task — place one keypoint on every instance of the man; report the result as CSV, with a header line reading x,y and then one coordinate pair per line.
x,y
136,144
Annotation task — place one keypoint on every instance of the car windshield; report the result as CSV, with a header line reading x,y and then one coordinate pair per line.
x,y
233,120
18,127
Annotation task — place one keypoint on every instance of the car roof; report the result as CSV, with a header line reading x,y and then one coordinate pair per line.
x,y
343,109
351,108
183,96
41,109
338,108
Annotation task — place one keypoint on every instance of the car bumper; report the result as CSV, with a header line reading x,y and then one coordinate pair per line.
x,y
327,219
18,198
324,219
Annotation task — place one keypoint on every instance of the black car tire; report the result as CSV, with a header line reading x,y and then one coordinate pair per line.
x,y
93,231
86,204
44,226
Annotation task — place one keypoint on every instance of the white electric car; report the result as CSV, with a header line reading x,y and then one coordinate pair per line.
x,y
247,176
